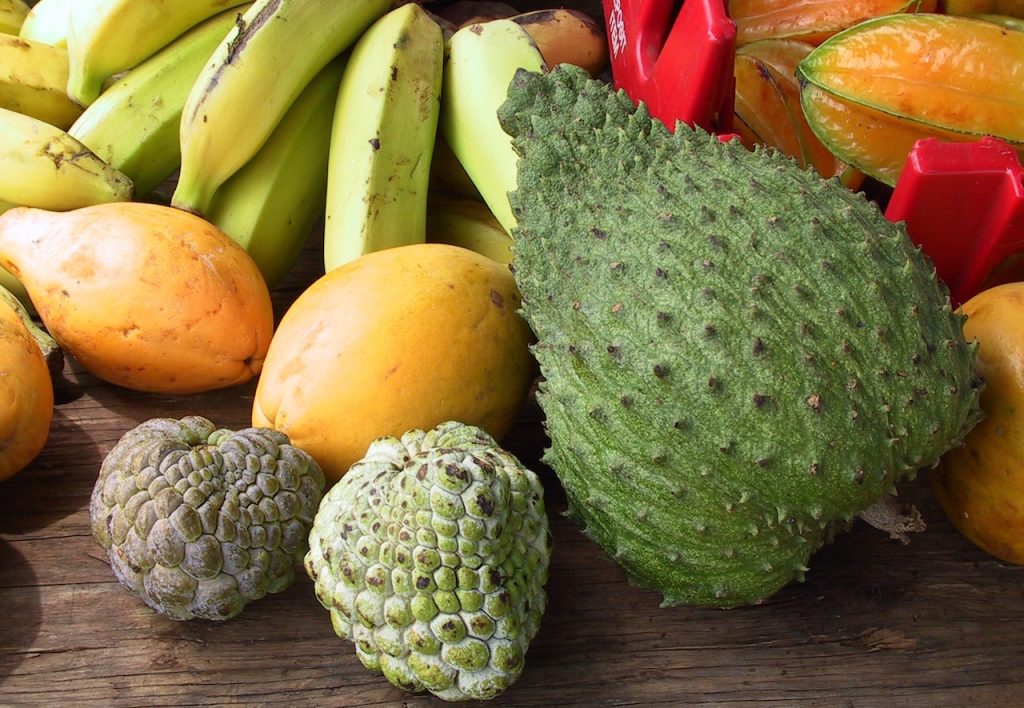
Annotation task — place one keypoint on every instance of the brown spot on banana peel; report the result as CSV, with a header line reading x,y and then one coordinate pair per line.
x,y
238,42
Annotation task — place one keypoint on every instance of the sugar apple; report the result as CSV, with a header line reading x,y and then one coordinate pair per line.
x,y
198,521
431,554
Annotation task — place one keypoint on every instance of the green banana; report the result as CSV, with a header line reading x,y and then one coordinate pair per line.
x,y
252,78
12,15
47,22
33,77
12,285
133,125
42,166
384,128
482,59
270,206
106,37
52,352
467,223
7,280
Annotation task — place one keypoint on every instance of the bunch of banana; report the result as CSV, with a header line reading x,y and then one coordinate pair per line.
x,y
254,75
384,127
482,59
269,207
133,125
42,166
376,117
106,37
468,223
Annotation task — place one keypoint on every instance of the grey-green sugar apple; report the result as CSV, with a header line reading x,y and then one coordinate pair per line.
x,y
198,521
431,554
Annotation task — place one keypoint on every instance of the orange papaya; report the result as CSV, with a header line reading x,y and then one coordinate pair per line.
x,y
871,91
811,21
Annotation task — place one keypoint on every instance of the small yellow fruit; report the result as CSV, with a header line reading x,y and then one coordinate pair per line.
x,y
398,339
981,484
26,395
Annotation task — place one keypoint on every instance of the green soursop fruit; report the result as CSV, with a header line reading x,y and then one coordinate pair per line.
x,y
198,521
431,554
737,356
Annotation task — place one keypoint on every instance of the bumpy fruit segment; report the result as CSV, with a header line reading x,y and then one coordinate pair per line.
x,y
873,90
810,20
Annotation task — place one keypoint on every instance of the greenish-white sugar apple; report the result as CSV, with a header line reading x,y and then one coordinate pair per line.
x,y
737,356
197,520
431,554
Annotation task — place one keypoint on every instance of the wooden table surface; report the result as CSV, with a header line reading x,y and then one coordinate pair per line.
x,y
876,623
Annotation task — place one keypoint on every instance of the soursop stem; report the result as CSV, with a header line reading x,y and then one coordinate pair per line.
x,y
890,516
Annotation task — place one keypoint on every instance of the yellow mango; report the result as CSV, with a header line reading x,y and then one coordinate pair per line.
x,y
398,339
981,484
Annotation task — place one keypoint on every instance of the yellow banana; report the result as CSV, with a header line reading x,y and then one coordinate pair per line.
x,y
385,122
270,205
47,22
106,37
467,223
33,81
42,166
133,125
482,59
252,78
12,15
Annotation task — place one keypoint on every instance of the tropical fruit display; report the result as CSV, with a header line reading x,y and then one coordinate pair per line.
x,y
735,354
711,421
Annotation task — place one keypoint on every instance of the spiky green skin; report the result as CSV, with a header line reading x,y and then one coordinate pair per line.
x,y
431,554
737,356
199,521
